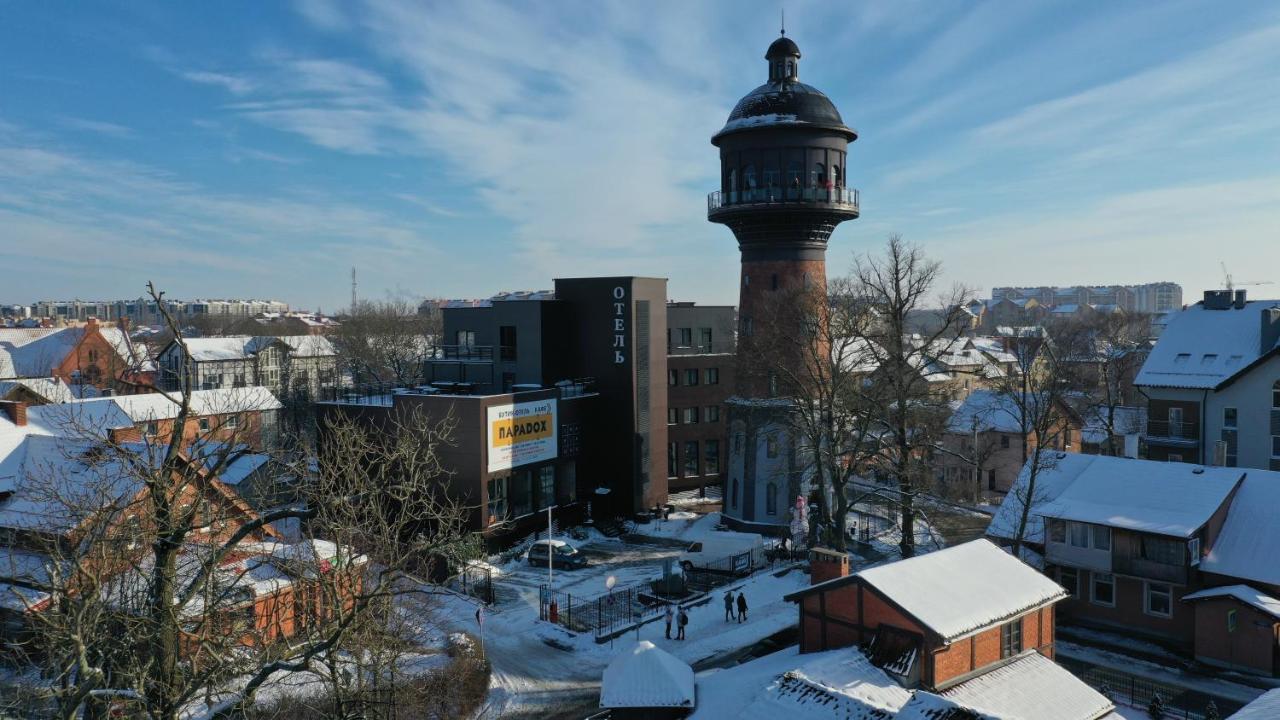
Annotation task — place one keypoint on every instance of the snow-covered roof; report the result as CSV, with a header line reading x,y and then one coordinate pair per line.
x,y
1143,495
987,411
1249,542
836,683
1202,348
57,482
1032,686
50,389
37,352
1244,594
23,565
647,676
242,347
98,415
1266,707
962,589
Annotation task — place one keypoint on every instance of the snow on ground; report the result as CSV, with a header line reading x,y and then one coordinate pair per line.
x,y
680,525
1170,676
543,670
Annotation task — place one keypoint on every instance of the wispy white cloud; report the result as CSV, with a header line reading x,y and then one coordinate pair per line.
x,y
96,126
231,83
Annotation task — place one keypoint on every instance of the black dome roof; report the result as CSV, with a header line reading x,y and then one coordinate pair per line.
x,y
785,103
782,47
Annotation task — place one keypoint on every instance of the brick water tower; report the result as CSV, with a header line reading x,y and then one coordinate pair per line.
x,y
783,161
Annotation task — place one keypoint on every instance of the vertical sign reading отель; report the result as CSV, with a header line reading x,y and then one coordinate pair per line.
x,y
619,325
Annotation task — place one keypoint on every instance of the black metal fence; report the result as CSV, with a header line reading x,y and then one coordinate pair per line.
x,y
601,614
1123,688
605,613
477,581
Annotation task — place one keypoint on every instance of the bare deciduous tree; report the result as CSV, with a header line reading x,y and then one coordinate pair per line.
x,y
385,342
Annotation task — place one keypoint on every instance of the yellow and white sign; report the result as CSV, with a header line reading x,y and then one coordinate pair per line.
x,y
521,433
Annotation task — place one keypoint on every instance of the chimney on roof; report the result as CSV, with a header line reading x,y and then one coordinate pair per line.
x,y
827,565
1269,333
91,322
1217,299
17,411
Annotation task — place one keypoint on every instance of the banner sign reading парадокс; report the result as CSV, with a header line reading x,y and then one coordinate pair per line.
x,y
521,433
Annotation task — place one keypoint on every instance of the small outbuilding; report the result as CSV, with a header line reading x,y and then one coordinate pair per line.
x,y
647,682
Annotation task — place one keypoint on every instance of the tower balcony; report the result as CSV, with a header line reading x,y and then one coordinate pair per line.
x,y
837,199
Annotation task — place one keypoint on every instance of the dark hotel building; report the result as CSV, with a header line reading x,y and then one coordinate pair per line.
x,y
558,397
783,164
700,376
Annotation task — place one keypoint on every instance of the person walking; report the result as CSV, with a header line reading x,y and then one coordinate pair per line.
x,y
668,616
728,605
684,620
742,607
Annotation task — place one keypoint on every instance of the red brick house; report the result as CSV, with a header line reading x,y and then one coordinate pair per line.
x,y
92,354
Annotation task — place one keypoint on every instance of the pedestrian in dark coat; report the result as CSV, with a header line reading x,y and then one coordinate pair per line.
x,y
669,616
728,605
742,607
684,620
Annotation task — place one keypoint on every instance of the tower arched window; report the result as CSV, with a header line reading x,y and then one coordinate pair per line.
x,y
733,493
820,175
749,177
795,174
771,499
836,180
733,180
791,66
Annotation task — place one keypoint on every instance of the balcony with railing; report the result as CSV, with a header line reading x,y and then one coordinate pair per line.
x,y
833,198
1167,432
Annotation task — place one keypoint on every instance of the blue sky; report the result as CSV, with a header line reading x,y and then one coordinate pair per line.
x,y
461,148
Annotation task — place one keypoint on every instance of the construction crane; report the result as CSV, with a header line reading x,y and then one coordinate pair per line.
x,y
1231,284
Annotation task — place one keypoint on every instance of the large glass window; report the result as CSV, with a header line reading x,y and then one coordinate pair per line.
x,y
520,493
771,445
673,377
1057,531
673,415
507,342
686,337
691,458
691,416
1103,589
1101,537
733,493
497,499
1069,578
712,413
711,457
1228,417
546,486
771,499
713,376
1078,534
704,339
567,482
691,376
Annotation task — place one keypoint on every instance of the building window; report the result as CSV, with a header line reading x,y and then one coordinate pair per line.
x,y
204,424
93,356
1162,550
733,493
685,337
232,422
673,462
771,499
691,376
673,377
1078,534
673,416
1228,417
711,457
704,339
771,445
1057,531
1101,538
737,442
691,458
507,342
773,384
466,339
1004,442
1231,621
691,416
152,429
1275,396
1103,589
497,499
712,413
713,376
1069,578
1159,599
1193,550
1011,638
746,326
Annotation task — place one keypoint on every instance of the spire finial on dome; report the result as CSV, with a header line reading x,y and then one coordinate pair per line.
x,y
783,13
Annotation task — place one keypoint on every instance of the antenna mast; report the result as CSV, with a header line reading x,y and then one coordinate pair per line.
x,y
353,288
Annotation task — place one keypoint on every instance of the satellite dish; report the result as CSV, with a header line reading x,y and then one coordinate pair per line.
x,y
610,582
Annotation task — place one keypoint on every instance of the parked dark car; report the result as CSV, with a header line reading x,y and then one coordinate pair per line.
x,y
565,555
